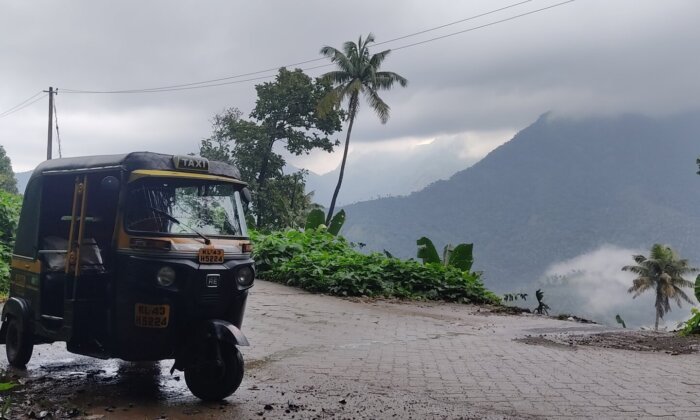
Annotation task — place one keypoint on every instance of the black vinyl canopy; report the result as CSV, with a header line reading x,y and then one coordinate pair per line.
x,y
127,162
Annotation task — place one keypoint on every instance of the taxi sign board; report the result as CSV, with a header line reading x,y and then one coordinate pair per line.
x,y
191,163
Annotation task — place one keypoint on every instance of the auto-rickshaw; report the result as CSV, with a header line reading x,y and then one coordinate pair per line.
x,y
141,257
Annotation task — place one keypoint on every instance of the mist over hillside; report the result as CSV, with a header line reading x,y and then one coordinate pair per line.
x,y
370,174
561,188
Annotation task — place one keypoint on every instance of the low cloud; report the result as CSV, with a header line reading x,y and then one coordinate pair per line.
x,y
593,285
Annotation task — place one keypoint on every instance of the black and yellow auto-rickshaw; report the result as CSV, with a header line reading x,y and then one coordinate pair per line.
x,y
141,257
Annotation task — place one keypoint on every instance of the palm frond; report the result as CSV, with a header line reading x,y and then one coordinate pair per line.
x,y
639,258
377,104
384,80
378,58
337,77
682,295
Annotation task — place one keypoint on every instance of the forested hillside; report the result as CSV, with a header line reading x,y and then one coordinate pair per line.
x,y
560,188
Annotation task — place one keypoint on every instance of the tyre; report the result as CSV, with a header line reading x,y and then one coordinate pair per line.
x,y
212,380
18,344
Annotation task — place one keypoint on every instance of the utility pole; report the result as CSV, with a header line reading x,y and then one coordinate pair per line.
x,y
48,144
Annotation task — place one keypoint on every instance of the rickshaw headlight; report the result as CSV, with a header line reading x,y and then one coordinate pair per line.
x,y
166,276
244,276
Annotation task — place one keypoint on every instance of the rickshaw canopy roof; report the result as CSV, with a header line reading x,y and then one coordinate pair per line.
x,y
127,162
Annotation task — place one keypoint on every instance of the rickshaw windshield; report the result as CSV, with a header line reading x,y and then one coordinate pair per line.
x,y
185,207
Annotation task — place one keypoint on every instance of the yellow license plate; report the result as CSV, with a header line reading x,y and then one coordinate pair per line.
x,y
151,316
211,256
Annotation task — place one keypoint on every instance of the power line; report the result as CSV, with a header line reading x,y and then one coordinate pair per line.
x,y
15,108
186,86
451,23
213,82
19,108
482,26
58,135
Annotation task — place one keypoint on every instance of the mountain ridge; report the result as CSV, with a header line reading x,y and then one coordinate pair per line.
x,y
559,188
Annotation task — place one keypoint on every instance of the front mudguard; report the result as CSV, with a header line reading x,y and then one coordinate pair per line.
x,y
16,308
213,329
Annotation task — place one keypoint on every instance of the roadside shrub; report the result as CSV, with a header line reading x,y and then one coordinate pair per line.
x,y
10,205
692,325
320,262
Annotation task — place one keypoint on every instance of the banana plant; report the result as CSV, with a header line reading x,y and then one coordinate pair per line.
x,y
317,218
460,256
542,308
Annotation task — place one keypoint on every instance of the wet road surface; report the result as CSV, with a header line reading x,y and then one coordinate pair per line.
x,y
315,356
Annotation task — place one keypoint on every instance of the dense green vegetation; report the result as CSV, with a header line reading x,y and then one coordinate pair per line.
x,y
285,115
318,261
10,205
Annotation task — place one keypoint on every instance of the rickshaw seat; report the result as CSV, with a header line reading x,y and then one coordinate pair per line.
x,y
54,254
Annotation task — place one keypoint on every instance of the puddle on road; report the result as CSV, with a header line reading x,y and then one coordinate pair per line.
x,y
59,382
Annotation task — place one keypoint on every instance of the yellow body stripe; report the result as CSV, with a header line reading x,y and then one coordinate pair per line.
x,y
141,173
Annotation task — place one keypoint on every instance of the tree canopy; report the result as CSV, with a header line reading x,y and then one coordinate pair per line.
x,y
663,273
285,115
7,176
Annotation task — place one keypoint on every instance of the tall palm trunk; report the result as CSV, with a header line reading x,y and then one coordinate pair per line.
x,y
659,305
353,111
656,324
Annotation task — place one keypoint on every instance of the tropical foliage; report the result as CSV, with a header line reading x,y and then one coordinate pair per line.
x,y
692,325
285,114
662,272
10,205
318,261
542,308
620,321
513,297
8,182
357,72
460,256
317,217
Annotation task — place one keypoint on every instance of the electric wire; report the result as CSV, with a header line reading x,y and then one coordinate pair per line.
x,y
482,26
185,87
55,117
435,28
15,108
213,82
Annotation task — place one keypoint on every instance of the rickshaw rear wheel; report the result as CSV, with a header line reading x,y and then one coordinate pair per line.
x,y
18,344
218,381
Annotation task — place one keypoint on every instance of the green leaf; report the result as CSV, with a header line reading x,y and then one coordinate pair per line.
x,y
315,219
462,257
427,251
336,223
620,321
6,386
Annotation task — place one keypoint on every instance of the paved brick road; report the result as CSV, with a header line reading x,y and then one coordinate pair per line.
x,y
450,360
321,357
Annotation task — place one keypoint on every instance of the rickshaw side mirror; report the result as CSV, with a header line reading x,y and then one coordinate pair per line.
x,y
246,195
109,184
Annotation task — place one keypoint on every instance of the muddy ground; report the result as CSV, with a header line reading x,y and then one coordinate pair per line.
x,y
318,357
662,341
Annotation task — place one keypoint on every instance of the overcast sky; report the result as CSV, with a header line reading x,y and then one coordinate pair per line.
x,y
585,57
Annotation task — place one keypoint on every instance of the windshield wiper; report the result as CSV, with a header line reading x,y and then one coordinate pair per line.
x,y
170,217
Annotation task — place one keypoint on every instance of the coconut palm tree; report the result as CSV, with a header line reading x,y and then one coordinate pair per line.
x,y
357,72
662,272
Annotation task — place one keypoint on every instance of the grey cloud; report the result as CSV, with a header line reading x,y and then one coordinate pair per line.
x,y
586,57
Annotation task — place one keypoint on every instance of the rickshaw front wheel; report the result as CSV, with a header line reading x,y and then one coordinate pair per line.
x,y
18,344
214,380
